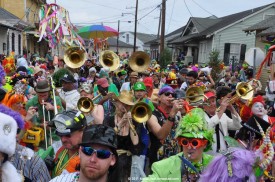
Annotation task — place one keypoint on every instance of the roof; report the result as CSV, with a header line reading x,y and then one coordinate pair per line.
x,y
4,15
267,26
230,19
171,35
207,26
10,20
113,42
143,36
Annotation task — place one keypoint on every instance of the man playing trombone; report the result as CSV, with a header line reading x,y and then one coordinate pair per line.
x,y
218,120
42,104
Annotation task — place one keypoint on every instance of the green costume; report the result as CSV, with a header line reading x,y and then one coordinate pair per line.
x,y
170,169
174,168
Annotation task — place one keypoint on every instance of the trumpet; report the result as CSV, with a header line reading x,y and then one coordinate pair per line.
x,y
85,104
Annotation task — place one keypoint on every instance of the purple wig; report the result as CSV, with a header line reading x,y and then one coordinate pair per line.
x,y
15,115
242,162
2,74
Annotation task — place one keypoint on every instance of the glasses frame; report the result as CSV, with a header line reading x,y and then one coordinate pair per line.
x,y
97,152
201,142
167,94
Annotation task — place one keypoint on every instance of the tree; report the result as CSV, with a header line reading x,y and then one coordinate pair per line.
x,y
215,63
165,58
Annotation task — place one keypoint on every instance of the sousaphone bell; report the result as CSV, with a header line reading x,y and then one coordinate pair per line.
x,y
109,59
75,57
139,61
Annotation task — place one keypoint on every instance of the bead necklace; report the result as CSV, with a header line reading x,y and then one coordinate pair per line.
x,y
60,168
76,177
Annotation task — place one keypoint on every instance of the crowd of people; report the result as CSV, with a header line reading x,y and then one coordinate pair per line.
x,y
160,124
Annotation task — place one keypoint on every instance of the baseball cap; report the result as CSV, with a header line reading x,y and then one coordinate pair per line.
x,y
139,86
99,134
209,95
103,82
68,78
148,81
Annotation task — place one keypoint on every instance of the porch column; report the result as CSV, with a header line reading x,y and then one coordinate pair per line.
x,y
188,57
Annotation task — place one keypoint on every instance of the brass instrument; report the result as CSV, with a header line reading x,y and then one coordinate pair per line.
x,y
109,59
139,61
194,95
243,90
75,57
85,104
141,112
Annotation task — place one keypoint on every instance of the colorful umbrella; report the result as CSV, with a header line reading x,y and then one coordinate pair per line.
x,y
97,31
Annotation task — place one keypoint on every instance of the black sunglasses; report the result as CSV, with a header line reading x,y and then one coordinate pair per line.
x,y
101,154
169,93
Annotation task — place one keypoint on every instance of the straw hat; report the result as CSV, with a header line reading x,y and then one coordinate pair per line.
x,y
126,97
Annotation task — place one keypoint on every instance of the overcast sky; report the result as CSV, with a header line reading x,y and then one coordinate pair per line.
x,y
108,12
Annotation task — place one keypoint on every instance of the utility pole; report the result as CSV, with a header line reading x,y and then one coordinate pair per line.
x,y
159,21
135,36
162,27
117,36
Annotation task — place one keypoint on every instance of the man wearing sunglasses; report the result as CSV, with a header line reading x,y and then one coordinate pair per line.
x,y
162,125
195,138
69,127
97,156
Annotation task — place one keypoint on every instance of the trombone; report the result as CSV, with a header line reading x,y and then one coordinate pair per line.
x,y
86,105
243,90
141,112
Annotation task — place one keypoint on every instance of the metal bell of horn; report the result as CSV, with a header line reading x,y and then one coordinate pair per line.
x,y
75,57
109,59
139,61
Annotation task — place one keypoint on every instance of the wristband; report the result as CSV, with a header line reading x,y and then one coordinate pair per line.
x,y
172,119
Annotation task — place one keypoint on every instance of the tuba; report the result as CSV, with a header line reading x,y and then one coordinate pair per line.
x,y
141,112
139,61
75,57
109,59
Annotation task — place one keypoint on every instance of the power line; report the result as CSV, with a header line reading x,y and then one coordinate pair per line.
x,y
171,16
192,15
151,11
202,8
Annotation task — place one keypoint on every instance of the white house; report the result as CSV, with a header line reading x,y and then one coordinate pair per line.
x,y
128,37
225,34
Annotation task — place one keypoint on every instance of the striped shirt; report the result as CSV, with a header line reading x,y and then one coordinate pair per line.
x,y
34,169
70,177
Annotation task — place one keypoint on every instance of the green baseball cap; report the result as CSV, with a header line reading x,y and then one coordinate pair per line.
x,y
139,86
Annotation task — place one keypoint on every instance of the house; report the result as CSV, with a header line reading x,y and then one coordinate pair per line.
x,y
122,47
202,35
11,33
264,31
155,43
128,37
25,11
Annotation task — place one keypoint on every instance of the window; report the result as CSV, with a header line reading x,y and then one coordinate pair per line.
x,y
234,48
19,44
127,38
12,42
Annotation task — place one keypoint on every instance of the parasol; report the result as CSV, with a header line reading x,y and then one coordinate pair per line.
x,y
97,31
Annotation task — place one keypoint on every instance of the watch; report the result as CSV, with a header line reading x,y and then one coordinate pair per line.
x,y
172,119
